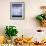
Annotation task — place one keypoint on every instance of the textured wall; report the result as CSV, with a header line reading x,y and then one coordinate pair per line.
x,y
27,26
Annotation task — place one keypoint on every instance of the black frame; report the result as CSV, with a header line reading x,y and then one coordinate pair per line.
x,y
17,17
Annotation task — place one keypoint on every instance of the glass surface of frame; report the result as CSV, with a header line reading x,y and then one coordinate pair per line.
x,y
17,10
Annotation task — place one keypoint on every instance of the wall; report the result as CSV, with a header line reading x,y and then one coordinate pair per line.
x,y
27,26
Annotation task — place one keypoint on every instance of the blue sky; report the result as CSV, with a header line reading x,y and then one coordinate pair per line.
x,y
16,10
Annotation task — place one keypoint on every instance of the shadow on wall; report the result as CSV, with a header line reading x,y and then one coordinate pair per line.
x,y
34,22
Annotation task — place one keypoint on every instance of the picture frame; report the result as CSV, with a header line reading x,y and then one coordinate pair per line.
x,y
17,10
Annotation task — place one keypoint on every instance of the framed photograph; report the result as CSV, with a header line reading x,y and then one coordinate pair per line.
x,y
17,10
